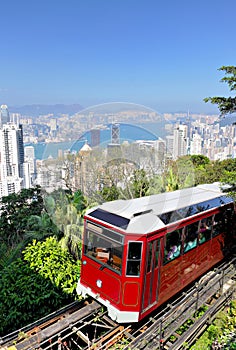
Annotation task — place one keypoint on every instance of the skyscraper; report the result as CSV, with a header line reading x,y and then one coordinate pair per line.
x,y
4,115
30,159
196,144
180,146
11,155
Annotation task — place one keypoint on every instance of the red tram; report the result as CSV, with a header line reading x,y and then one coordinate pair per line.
x,y
138,253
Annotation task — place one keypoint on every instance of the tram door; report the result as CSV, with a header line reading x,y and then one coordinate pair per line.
x,y
151,280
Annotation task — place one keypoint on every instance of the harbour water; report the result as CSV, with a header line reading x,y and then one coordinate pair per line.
x,y
128,132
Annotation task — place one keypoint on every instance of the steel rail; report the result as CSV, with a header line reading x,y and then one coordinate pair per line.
x,y
218,288
53,329
41,323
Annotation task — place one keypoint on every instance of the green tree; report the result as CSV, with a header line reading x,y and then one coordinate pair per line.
x,y
226,104
52,262
66,211
15,211
71,227
32,287
79,201
199,160
172,183
139,183
157,185
110,193
185,172
40,227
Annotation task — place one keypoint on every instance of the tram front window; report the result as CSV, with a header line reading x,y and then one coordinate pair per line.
x,y
106,247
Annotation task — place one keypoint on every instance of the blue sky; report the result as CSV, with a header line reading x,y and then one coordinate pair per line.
x,y
161,54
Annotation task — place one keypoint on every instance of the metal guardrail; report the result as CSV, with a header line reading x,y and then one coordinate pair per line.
x,y
218,287
44,320
37,336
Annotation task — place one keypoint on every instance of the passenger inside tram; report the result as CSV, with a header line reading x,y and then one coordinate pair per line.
x,y
205,230
173,245
190,241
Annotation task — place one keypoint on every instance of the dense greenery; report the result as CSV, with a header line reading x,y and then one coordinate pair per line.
x,y
39,283
40,238
23,218
186,171
219,331
226,104
15,210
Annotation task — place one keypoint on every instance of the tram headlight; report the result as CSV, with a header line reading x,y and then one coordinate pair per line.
x,y
99,283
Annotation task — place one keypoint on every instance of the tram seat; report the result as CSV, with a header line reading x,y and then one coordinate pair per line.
x,y
174,252
116,261
202,238
102,255
190,245
177,252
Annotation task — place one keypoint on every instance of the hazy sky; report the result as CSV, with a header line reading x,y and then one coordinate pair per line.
x,y
163,54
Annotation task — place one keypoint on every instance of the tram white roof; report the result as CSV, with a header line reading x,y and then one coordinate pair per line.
x,y
144,213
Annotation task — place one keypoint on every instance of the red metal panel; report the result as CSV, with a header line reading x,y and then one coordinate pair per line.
x,y
189,266
203,257
170,279
131,295
147,290
110,282
217,246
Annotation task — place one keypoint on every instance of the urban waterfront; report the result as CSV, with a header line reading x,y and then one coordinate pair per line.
x,y
128,132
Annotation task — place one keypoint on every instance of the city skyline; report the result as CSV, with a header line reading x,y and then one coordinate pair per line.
x,y
164,55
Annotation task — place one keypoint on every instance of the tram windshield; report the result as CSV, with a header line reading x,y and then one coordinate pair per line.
x,y
103,245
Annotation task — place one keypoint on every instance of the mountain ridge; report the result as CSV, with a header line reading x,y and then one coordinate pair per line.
x,y
35,110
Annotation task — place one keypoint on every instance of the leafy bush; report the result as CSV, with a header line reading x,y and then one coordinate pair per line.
x,y
221,330
42,282
52,262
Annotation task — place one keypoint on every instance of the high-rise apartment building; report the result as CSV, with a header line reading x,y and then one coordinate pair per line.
x,y
196,144
169,146
4,115
29,154
12,177
180,147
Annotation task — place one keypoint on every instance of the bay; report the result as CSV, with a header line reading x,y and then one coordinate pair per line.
x,y
128,132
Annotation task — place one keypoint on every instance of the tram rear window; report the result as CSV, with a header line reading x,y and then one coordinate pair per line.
x,y
102,246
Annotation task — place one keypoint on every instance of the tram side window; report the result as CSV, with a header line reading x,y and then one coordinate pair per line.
x,y
134,259
191,235
218,224
173,245
205,230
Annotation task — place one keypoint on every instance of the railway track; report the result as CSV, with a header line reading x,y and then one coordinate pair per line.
x,y
89,327
183,320
45,330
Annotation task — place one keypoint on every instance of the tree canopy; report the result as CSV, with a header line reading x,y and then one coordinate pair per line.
x,y
42,281
226,104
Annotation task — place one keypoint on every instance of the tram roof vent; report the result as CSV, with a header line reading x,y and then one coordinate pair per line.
x,y
142,212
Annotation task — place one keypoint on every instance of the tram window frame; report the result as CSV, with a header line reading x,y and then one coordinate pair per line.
x,y
156,252
149,252
171,254
102,249
218,224
134,258
190,237
205,230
